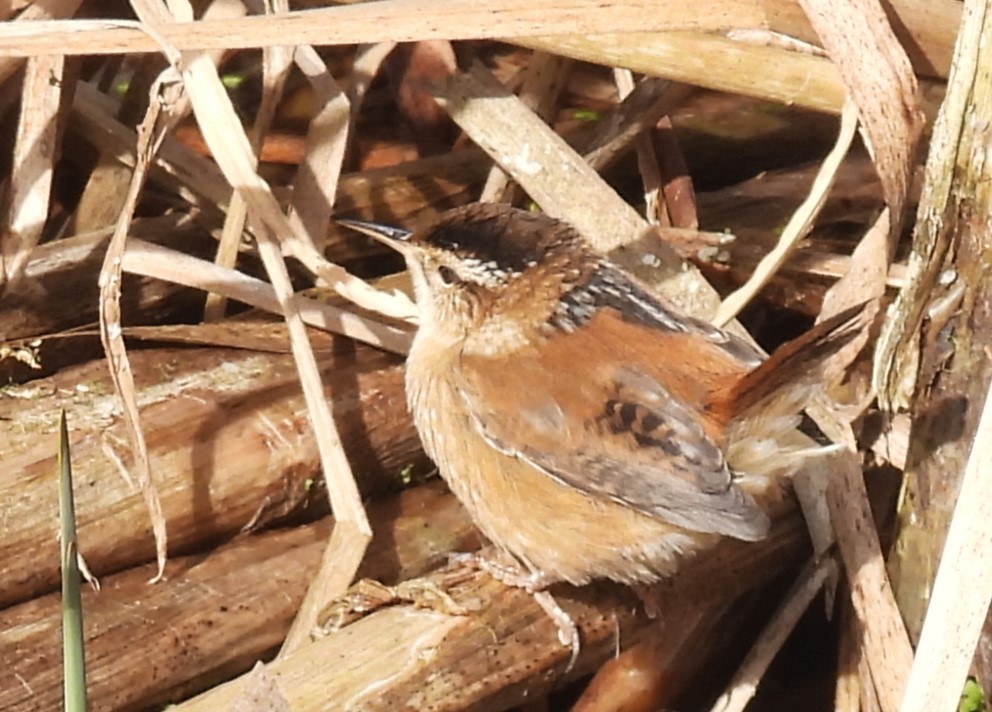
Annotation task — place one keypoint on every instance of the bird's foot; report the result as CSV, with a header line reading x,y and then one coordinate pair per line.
x,y
368,596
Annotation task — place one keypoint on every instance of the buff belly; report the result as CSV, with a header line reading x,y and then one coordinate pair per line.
x,y
548,526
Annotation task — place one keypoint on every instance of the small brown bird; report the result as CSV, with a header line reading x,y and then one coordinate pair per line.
x,y
590,429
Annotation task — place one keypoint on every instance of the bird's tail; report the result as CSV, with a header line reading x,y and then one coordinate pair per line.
x,y
762,409
777,384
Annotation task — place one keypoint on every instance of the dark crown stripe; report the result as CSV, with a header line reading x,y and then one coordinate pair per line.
x,y
479,232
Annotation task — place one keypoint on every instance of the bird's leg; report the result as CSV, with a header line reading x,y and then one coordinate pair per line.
x,y
568,632
507,571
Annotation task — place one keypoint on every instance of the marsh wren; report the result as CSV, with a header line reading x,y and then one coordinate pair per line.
x,y
590,429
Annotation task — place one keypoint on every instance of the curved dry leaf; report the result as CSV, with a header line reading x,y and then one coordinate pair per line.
x,y
799,224
879,78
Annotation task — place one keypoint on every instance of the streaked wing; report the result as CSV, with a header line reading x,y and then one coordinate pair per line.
x,y
615,433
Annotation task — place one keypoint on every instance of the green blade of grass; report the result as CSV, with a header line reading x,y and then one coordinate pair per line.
x,y
74,664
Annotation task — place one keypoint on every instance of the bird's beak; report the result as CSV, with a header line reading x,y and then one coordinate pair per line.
x,y
395,237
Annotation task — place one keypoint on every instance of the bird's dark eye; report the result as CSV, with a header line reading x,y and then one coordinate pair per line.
x,y
447,275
